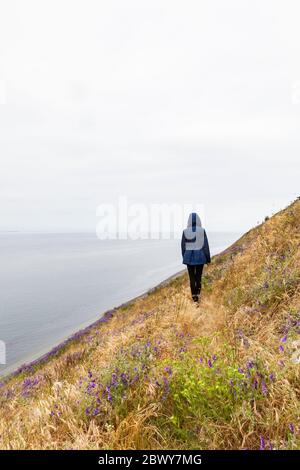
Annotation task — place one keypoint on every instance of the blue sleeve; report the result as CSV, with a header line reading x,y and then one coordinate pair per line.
x,y
183,244
206,248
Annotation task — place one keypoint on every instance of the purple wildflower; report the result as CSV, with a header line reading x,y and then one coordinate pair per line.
x,y
283,339
264,389
262,443
114,379
292,428
271,445
135,379
91,385
124,378
28,384
166,387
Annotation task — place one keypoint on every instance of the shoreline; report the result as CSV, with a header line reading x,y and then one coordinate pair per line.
x,y
51,350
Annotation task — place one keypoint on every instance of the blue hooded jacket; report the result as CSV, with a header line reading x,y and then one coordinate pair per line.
x,y
194,243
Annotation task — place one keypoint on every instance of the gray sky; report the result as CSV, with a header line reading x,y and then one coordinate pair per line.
x,y
162,101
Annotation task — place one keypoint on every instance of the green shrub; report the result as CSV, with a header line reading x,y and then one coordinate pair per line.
x,y
209,388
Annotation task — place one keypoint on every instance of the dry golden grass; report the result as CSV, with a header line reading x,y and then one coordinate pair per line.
x,y
250,301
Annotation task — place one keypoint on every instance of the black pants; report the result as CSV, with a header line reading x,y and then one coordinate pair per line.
x,y
195,273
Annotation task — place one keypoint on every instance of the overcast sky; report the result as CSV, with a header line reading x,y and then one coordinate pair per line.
x,y
162,101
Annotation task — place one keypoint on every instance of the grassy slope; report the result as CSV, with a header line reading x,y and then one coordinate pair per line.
x,y
161,373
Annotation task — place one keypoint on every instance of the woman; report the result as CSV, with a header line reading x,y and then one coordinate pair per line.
x,y
195,252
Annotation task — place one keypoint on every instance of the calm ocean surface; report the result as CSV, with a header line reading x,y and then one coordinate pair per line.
x,y
54,284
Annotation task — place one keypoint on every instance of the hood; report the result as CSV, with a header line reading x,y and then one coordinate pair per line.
x,y
194,220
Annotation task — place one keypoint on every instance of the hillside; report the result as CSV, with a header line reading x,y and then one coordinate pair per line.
x,y
162,373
